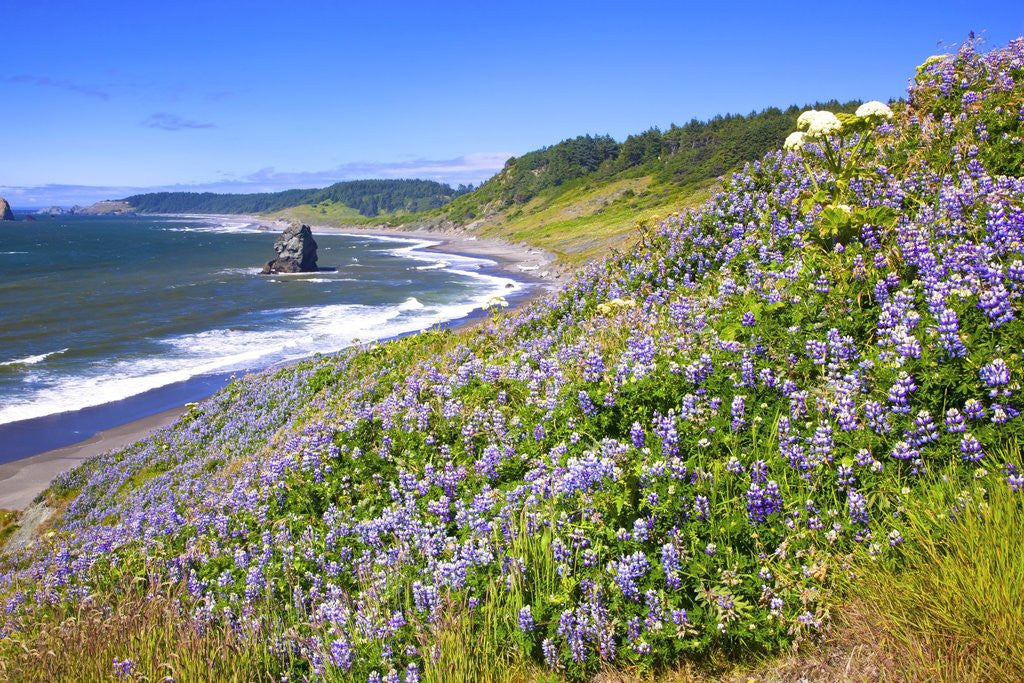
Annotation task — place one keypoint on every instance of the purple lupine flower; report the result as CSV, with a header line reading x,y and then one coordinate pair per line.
x,y
670,564
955,421
970,448
665,428
924,430
996,304
821,445
586,404
759,472
526,620
878,417
762,502
341,654
626,571
973,409
903,451
636,435
857,505
748,319
845,477
702,508
900,392
949,334
124,668
739,407
995,375
550,653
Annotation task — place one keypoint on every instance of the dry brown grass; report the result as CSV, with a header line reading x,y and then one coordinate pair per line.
x,y
81,645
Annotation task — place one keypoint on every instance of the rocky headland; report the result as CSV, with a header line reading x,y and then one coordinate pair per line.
x,y
296,252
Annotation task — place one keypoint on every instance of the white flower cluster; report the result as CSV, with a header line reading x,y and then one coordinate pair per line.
x,y
874,108
818,123
615,304
794,141
496,302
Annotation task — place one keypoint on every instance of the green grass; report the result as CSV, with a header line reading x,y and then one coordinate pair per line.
x,y
335,214
8,525
952,607
576,222
584,221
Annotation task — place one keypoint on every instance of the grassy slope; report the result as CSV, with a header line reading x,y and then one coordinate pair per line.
x,y
577,222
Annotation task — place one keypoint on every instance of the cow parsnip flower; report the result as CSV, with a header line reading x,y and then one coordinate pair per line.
x,y
803,122
818,123
794,141
823,123
874,108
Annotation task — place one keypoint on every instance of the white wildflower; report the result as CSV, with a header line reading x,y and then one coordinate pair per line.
x,y
821,123
794,142
496,302
874,108
803,122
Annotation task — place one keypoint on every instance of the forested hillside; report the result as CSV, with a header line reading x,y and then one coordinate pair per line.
x,y
679,157
368,197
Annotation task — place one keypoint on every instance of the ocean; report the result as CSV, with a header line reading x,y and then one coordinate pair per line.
x,y
107,320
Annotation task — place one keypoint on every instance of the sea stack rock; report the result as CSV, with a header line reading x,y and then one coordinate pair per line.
x,y
5,211
296,252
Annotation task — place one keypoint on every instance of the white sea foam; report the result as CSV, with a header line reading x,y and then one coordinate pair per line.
x,y
240,271
216,224
32,360
11,253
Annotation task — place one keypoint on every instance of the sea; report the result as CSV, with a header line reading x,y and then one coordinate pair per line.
x,y
105,320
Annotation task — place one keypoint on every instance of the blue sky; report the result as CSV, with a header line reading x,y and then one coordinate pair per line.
x,y
98,99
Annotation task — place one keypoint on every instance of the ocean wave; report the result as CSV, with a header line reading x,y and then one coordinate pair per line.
x,y
11,253
214,224
297,333
32,360
240,271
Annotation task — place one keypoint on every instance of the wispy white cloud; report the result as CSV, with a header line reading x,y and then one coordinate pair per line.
x,y
63,84
165,121
471,168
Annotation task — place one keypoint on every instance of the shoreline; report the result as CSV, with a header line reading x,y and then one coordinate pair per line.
x,y
22,479
516,260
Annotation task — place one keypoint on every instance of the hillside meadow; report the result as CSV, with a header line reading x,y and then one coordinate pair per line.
x,y
776,435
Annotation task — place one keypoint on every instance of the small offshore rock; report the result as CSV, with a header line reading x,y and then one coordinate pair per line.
x,y
296,252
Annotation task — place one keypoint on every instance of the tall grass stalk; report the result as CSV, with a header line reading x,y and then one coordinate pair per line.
x,y
953,610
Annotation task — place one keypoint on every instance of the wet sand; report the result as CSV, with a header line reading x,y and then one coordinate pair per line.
x,y
22,480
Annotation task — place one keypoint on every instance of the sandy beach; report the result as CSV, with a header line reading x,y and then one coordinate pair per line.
x,y
22,480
